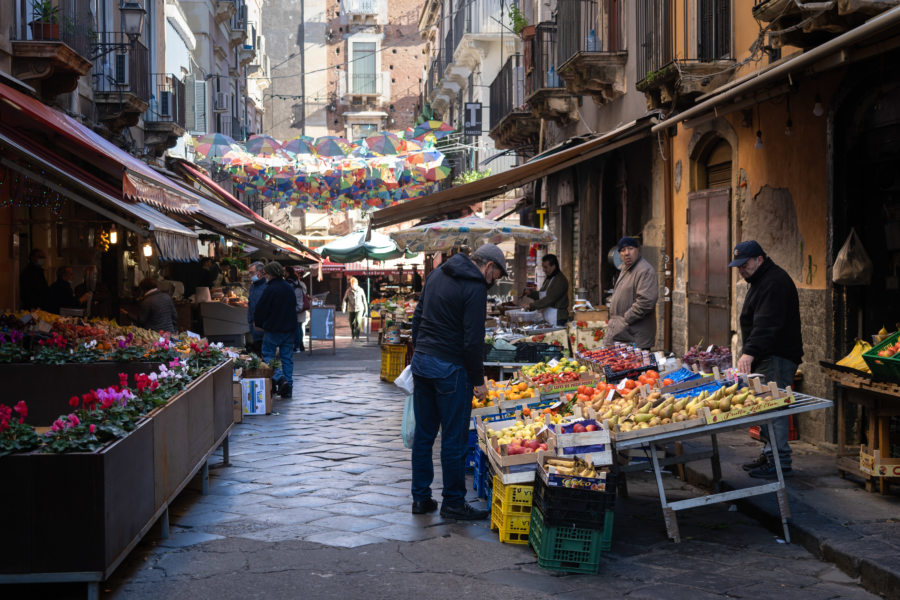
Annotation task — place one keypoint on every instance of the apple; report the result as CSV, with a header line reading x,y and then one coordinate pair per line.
x,y
542,446
591,427
512,450
533,444
528,451
578,428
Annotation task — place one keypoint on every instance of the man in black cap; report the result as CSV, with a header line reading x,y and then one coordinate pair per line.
x,y
448,338
773,345
632,308
276,315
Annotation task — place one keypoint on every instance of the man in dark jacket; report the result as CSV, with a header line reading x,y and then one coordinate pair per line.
x,y
32,282
773,346
276,315
257,285
448,339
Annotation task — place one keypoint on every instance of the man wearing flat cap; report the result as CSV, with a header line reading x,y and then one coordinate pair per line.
x,y
772,341
276,315
448,343
632,309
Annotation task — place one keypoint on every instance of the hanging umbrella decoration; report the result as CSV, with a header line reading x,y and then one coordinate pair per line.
x,y
329,173
432,127
467,231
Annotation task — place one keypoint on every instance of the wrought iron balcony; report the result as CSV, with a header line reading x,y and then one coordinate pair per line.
x,y
164,121
121,81
511,122
544,89
592,51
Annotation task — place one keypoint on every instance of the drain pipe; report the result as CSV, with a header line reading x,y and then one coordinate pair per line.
x,y
668,258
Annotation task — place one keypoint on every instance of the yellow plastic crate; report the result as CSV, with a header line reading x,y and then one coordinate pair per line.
x,y
513,527
393,361
513,498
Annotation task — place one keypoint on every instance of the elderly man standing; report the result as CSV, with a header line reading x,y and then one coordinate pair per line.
x,y
448,339
632,310
257,285
773,343
276,315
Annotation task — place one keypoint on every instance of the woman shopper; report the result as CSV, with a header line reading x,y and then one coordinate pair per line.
x,y
356,305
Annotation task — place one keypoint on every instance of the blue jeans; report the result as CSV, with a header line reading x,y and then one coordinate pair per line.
x,y
283,342
781,371
442,399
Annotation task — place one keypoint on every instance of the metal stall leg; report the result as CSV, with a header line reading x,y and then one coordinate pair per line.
x,y
668,514
93,590
716,465
226,458
164,525
204,479
781,493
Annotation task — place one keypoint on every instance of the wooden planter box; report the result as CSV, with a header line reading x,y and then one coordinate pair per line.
x,y
46,389
75,517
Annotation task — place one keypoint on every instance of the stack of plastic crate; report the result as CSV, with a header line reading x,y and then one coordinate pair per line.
x,y
570,527
511,511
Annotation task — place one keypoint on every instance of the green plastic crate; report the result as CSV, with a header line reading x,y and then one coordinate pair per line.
x,y
571,549
884,367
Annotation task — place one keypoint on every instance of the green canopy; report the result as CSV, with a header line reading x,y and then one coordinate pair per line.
x,y
353,247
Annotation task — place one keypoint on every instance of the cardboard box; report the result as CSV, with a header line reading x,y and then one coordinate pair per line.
x,y
876,465
238,397
256,396
601,313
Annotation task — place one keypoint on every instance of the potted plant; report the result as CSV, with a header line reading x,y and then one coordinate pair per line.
x,y
519,23
45,25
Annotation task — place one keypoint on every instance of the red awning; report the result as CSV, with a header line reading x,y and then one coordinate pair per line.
x,y
194,173
139,182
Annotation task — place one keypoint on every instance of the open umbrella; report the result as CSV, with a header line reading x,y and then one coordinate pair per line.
x,y
383,143
331,145
212,146
299,145
263,146
467,231
438,128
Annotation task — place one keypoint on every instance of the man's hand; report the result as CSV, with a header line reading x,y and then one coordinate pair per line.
x,y
614,327
745,363
526,302
481,392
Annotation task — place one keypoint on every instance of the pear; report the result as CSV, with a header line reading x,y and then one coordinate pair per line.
x,y
731,389
725,404
643,417
681,404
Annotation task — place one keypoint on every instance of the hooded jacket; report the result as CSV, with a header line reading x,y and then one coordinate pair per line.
x,y
449,319
276,311
770,319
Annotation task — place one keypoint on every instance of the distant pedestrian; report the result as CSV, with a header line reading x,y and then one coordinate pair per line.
x,y
632,308
302,313
61,295
276,315
356,306
772,342
33,285
448,342
257,285
157,309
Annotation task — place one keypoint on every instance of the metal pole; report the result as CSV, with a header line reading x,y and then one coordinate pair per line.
x,y
368,298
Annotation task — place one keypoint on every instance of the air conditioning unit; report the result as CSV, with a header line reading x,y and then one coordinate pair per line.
x,y
164,104
120,70
221,102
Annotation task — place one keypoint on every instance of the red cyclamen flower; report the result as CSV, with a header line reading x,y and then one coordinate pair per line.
x,y
73,401
21,408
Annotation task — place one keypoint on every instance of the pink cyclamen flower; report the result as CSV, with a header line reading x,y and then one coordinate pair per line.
x,y
92,428
74,420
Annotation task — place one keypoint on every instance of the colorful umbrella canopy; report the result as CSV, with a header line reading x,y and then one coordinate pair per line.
x,y
300,145
332,145
434,171
353,247
263,145
212,146
438,128
467,231
383,143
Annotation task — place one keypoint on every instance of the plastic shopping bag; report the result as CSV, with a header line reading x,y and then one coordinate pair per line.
x,y
408,427
852,265
404,381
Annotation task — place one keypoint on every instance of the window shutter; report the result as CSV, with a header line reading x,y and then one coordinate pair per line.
x,y
200,106
189,118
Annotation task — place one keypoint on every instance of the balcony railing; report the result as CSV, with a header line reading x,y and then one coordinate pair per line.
x,y
69,23
590,26
654,33
360,7
365,84
714,29
543,60
121,70
435,74
507,90
167,102
459,24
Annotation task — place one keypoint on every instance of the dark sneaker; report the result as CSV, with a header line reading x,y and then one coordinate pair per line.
x,y
286,392
759,462
464,512
767,471
424,506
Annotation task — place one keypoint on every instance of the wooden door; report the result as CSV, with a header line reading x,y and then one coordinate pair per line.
x,y
709,280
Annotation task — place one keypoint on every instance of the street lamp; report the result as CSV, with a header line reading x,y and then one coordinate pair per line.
x,y
133,14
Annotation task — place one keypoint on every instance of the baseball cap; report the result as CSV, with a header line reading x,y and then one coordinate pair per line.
x,y
745,251
628,241
494,254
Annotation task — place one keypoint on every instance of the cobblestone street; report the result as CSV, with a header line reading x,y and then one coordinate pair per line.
x,y
315,504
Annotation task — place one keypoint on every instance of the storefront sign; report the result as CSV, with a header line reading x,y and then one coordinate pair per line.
x,y
473,123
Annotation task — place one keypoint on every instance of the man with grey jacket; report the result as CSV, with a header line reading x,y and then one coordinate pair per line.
x,y
632,310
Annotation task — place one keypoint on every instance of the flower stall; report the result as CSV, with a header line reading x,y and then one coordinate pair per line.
x,y
106,467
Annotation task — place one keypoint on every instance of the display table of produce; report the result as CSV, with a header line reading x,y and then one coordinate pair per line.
x,y
85,490
654,437
873,461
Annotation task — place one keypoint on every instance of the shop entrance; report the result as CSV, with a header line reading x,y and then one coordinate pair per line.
x,y
867,198
709,249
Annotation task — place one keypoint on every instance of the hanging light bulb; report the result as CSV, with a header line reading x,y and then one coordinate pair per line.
x,y
113,235
759,143
229,243
818,107
148,250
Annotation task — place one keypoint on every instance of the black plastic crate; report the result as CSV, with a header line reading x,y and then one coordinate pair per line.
x,y
551,353
496,355
527,352
572,507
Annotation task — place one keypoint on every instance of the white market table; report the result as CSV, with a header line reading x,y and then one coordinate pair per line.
x,y
802,403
